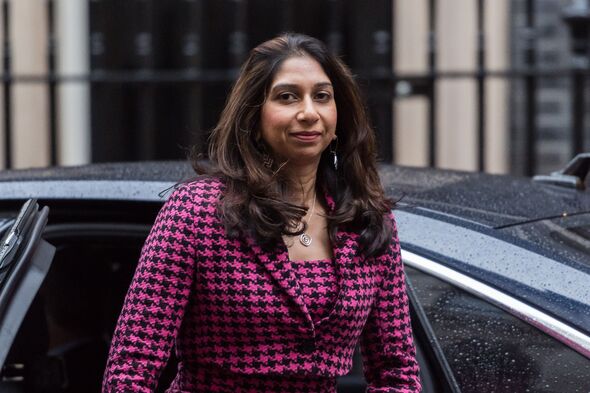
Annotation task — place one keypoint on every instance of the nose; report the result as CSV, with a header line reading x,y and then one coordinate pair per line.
x,y
308,112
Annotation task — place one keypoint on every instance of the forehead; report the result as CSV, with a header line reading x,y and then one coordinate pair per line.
x,y
300,70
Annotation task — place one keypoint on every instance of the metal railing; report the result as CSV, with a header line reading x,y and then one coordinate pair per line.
x,y
378,71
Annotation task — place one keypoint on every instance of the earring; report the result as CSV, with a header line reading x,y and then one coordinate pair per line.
x,y
267,160
333,153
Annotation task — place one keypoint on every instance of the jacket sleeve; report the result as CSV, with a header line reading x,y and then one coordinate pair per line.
x,y
386,343
155,302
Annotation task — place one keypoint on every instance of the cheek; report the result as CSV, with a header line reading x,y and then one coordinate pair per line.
x,y
268,128
273,122
335,117
332,119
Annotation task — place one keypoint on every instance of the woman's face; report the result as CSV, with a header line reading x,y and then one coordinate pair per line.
x,y
298,118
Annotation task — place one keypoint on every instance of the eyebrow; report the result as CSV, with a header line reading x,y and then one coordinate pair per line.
x,y
294,86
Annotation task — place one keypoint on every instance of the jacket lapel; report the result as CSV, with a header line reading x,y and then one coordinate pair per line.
x,y
276,261
345,250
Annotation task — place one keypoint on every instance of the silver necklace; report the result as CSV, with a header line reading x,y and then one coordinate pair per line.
x,y
305,238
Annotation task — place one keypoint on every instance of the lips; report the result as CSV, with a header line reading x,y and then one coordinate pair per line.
x,y
306,136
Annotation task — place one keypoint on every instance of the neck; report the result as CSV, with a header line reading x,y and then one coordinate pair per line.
x,y
302,187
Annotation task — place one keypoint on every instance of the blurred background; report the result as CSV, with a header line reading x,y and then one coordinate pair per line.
x,y
492,85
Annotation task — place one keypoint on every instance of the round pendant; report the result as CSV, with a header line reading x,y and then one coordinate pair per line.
x,y
305,239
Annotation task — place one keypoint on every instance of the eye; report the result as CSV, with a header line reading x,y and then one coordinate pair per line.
x,y
286,96
323,96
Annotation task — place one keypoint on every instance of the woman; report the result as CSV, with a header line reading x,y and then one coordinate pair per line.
x,y
267,272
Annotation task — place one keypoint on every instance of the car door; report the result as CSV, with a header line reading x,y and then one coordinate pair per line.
x,y
25,259
484,348
498,315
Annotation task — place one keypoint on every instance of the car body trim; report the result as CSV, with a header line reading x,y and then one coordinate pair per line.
x,y
546,323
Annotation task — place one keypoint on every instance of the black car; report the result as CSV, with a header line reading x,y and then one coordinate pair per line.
x,y
498,274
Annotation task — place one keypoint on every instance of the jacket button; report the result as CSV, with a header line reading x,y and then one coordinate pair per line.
x,y
307,346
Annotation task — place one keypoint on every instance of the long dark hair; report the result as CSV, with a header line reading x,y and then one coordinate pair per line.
x,y
254,201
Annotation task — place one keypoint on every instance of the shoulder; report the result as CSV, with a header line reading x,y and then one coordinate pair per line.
x,y
200,193
200,189
390,254
389,219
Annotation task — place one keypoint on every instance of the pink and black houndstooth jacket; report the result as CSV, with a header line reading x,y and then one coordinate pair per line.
x,y
234,311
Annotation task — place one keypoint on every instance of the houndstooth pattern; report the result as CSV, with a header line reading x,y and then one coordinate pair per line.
x,y
319,285
237,314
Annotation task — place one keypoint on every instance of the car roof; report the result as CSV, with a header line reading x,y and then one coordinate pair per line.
x,y
135,171
489,200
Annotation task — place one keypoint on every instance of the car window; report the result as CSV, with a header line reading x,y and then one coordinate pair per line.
x,y
25,259
5,223
491,350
